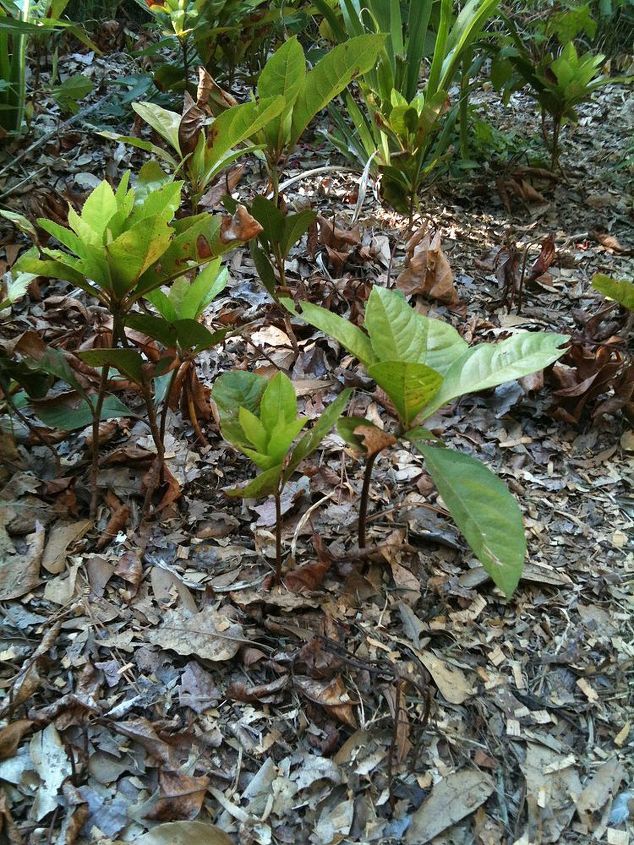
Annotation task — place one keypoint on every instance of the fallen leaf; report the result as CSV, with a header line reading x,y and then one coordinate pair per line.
x,y
451,681
308,577
552,784
427,270
207,634
52,766
453,798
60,538
180,796
197,689
11,736
332,696
240,227
596,793
20,573
185,833
374,439
264,693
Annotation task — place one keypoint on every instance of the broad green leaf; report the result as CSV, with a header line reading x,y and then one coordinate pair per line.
x,y
155,327
15,287
210,282
264,484
253,429
621,291
70,411
397,333
483,509
20,222
330,76
283,75
195,337
136,250
65,236
236,124
270,218
96,213
313,438
163,121
128,362
263,267
346,429
346,333
444,345
54,270
296,225
278,405
490,364
408,384
142,144
163,202
230,392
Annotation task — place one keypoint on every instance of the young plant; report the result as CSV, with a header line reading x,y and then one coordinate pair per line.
x,y
204,146
177,327
306,93
126,244
560,81
280,232
404,131
259,417
619,290
422,364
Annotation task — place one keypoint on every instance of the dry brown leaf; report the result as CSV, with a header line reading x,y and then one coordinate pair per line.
x,y
454,797
185,833
332,696
427,270
395,697
60,538
240,227
142,731
11,736
451,681
226,184
603,785
308,577
181,797
265,693
20,573
207,634
375,440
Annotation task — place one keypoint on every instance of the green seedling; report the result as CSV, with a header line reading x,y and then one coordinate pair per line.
x,y
259,417
423,364
619,290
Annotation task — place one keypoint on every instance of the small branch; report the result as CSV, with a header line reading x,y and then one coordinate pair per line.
x,y
363,503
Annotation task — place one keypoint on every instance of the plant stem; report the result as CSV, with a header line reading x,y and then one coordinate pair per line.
x,y
157,476
555,148
363,502
166,402
183,43
278,535
96,419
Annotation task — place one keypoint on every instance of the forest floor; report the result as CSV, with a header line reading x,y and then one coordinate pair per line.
x,y
149,676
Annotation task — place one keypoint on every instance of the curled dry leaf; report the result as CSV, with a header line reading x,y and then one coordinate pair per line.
x,y
427,270
240,227
332,696
207,634
308,577
375,440
265,693
142,731
544,260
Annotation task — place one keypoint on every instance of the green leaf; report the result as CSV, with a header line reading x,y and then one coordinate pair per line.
x,y
313,438
483,509
70,411
98,210
330,76
621,291
253,429
136,250
263,267
396,331
296,225
408,384
230,392
163,121
38,355
128,362
490,364
351,337
278,405
283,75
53,270
444,345
264,484
346,429
197,295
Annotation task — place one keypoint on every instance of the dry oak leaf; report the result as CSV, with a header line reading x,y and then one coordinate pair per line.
x,y
61,537
332,696
427,270
265,693
374,439
240,227
11,736
181,797
207,634
20,573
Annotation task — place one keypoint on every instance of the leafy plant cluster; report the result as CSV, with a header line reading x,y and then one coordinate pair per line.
x,y
148,255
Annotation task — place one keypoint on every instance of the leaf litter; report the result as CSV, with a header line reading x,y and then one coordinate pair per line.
x,y
154,691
